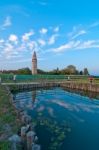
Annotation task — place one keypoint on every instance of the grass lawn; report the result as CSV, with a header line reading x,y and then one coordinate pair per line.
x,y
9,123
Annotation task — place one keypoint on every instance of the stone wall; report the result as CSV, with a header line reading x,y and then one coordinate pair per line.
x,y
81,86
28,86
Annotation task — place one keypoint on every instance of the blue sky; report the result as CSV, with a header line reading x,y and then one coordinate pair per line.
x,y
62,32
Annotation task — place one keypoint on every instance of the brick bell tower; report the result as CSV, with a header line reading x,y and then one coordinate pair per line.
x,y
34,63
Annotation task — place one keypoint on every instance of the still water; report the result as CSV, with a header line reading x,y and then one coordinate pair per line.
x,y
63,120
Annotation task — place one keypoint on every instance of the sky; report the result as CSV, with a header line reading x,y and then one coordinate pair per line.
x,y
62,32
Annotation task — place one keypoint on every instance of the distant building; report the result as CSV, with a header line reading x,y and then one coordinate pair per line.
x,y
34,63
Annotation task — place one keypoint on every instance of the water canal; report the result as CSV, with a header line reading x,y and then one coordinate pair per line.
x,y
63,120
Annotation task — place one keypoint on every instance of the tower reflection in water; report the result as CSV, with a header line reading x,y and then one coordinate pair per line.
x,y
34,94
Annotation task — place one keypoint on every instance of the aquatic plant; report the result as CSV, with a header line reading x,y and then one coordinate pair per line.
x,y
58,131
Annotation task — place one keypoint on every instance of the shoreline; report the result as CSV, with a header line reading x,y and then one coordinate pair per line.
x,y
11,117
91,87
21,137
9,121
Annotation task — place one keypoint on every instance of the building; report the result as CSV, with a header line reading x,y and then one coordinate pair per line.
x,y
34,63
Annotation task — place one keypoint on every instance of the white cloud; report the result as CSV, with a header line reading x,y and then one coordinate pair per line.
x,y
56,29
76,32
41,42
26,45
15,47
32,45
70,34
8,50
13,38
7,22
88,44
8,47
26,36
52,39
43,31
95,24
1,40
77,45
23,60
1,44
81,32
67,46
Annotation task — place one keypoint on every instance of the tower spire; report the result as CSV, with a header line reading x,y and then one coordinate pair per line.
x,y
34,63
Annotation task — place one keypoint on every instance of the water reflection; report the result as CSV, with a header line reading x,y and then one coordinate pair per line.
x,y
77,107
63,119
34,96
89,94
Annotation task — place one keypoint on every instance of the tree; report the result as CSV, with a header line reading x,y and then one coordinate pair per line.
x,y
25,71
86,71
57,71
81,72
39,71
71,69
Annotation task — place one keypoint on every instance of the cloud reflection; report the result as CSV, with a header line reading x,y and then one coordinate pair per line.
x,y
76,106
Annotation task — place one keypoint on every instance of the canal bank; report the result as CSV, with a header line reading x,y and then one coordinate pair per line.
x,y
63,119
30,86
16,126
9,123
11,120
91,87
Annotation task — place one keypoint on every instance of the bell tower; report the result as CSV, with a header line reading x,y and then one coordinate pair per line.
x,y
34,63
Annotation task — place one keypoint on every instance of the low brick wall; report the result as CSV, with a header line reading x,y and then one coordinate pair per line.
x,y
81,86
28,86
93,87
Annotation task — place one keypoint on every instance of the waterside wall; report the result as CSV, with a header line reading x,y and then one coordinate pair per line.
x,y
28,86
92,87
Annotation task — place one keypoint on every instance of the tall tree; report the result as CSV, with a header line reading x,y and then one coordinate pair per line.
x,y
24,71
86,71
81,72
71,69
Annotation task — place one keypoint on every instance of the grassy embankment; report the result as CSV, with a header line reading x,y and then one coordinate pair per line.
x,y
8,78
95,81
9,123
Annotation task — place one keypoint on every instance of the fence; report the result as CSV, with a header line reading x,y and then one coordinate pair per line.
x,y
21,78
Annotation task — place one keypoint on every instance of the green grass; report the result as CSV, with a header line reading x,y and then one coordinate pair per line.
x,y
8,78
8,119
5,145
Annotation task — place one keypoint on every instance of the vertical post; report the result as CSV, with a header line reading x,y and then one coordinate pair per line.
x,y
30,139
